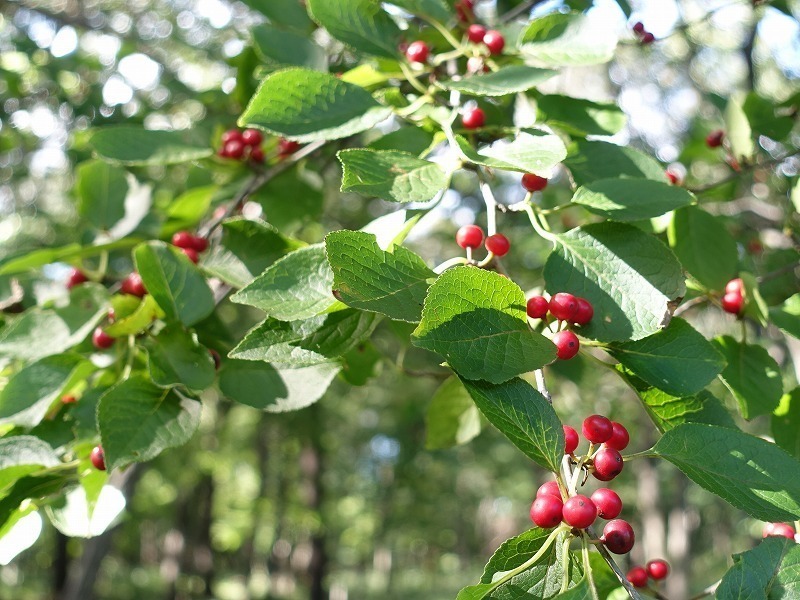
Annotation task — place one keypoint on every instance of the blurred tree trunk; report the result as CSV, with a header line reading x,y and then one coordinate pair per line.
x,y
60,564
311,467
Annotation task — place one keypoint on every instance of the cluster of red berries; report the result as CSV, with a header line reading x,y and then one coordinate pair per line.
x,y
733,299
656,570
779,530
565,308
471,237
554,504
715,138
492,39
645,37
242,145
190,245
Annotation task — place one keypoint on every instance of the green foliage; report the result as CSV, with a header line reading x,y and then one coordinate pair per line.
x,y
137,147
768,571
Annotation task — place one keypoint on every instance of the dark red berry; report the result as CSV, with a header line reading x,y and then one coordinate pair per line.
x,y
469,236
733,302
183,239
68,399
638,577
608,464
714,139
417,52
533,183
287,147
779,530
251,137
191,254
98,458
620,438
648,38
494,41
230,136
498,244
657,569
75,277
475,33
473,118
550,488
618,536
257,155
537,307
585,312
571,440
200,244
216,358
546,511
638,28
597,429
233,149
101,340
567,344
579,511
564,306
608,503
133,285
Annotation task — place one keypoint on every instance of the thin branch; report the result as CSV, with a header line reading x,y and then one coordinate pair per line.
x,y
689,304
614,567
744,169
706,592
541,385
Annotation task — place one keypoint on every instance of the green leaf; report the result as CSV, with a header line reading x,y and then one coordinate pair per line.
x,y
438,10
174,282
529,152
524,416
476,319
787,316
31,391
139,420
580,117
392,283
703,245
297,286
307,106
770,571
176,358
737,129
677,360
68,253
750,473
390,175
752,376
760,113
592,160
288,13
314,341
632,279
290,201
580,592
361,24
45,332
571,39
361,364
22,455
266,388
284,48
129,145
186,211
510,79
29,487
452,418
628,199
136,322
101,189
406,139
786,423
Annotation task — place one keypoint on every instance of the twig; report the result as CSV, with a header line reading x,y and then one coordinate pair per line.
x,y
614,567
744,169
706,592
541,385
689,304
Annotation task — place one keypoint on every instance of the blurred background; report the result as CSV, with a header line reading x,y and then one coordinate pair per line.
x,y
343,500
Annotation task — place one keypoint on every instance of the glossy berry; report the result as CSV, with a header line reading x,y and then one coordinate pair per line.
x,y
473,118
233,149
68,399
648,38
75,277
533,183
287,147
494,41
216,358
417,52
469,236
497,244
620,438
608,503
579,511
733,302
735,286
563,306
191,254
714,139
567,344
252,137
133,285
546,511
571,440
200,244
549,489
608,464
657,569
638,28
183,239
584,313
618,536
537,307
257,155
230,136
597,429
101,340
638,577
673,177
779,530
475,33
98,458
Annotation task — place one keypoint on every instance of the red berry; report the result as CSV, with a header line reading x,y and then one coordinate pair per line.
x,y
563,306
251,137
286,147
608,464
98,458
498,244
620,438
533,183
638,577
68,399
571,439
233,149
779,530
608,503
133,285
648,38
216,357
549,489
469,236
101,340
579,511
714,139
638,28
673,177
735,286
183,239
584,313
657,569
546,511
567,344
200,244
417,52
473,118
464,10
257,155
76,277
618,536
191,254
494,41
733,302
232,135
537,307
597,429
475,33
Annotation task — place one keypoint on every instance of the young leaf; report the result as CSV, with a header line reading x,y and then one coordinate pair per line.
x,y
476,319
770,570
362,24
787,316
392,283
571,39
752,375
529,152
145,313
139,420
524,416
101,189
578,116
628,199
750,473
592,160
452,418
284,48
786,423
140,147
175,283
677,359
632,279
511,79
176,358
390,175
22,455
